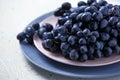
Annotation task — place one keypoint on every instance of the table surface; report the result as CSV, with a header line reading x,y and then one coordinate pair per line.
x,y
14,16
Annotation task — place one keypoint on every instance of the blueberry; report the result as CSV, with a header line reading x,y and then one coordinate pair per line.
x,y
57,39
95,4
78,18
61,21
68,25
92,39
66,14
118,26
73,54
95,33
114,33
47,35
109,6
90,1
104,36
62,30
72,40
86,17
55,32
21,36
66,6
81,9
66,52
63,38
117,49
29,31
86,32
102,2
91,57
54,48
98,54
58,12
75,28
107,29
81,3
36,26
80,24
91,50
113,20
49,43
107,51
29,39
82,41
97,45
93,25
80,34
73,16
103,23
41,31
104,10
97,16
116,10
101,45
83,49
64,46
48,27
112,43
83,57
91,9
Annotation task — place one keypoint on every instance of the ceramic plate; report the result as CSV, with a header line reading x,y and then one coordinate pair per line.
x,y
57,57
42,61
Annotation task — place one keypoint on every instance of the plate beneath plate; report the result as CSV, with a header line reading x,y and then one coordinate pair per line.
x,y
57,57
37,58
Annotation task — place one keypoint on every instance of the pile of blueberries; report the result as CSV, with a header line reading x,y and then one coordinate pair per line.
x,y
90,30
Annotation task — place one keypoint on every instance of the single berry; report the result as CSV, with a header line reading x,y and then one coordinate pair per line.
x,y
36,26
86,32
104,36
29,31
66,6
104,10
83,57
95,33
21,36
73,54
86,17
48,27
82,41
83,49
112,43
72,40
90,1
114,33
98,16
107,51
113,20
98,54
41,31
103,23
81,3
92,39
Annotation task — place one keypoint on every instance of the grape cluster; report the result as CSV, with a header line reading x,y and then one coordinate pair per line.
x,y
90,30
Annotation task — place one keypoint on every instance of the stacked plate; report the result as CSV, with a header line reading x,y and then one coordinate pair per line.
x,y
103,67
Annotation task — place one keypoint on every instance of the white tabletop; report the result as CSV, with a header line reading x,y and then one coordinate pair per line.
x,y
14,16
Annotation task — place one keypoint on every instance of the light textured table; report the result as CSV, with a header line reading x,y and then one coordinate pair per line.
x,y
14,16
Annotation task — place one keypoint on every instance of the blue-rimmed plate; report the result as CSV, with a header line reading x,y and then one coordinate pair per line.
x,y
37,58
